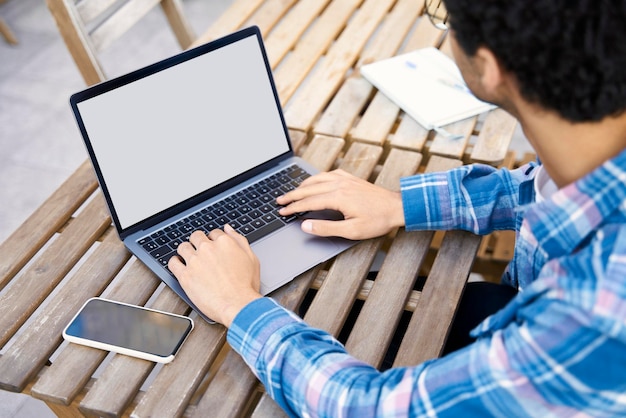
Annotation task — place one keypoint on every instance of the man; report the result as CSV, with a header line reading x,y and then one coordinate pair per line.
x,y
559,347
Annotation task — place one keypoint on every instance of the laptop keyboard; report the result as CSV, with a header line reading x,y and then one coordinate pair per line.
x,y
253,212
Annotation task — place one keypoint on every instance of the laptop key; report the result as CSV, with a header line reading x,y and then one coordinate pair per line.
x,y
264,230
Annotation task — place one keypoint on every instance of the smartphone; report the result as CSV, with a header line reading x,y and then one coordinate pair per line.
x,y
128,329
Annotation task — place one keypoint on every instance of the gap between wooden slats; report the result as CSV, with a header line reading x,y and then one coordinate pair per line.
x,y
122,378
32,348
74,366
31,236
28,290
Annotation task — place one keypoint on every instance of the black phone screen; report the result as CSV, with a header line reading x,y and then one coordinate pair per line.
x,y
130,327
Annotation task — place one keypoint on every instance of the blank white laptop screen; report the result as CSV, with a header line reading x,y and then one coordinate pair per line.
x,y
184,130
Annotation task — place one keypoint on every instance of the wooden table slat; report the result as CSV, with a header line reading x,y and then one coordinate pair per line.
x,y
392,32
339,290
381,312
33,347
234,381
391,289
409,135
377,121
35,284
312,45
173,387
344,108
380,117
323,151
71,370
267,408
326,79
298,138
435,309
269,14
494,137
394,282
454,147
286,34
396,277
398,164
30,237
361,159
424,35
123,376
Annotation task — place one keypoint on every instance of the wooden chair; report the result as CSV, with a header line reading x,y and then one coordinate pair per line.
x,y
89,26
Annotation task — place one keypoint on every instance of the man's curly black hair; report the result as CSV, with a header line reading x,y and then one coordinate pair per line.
x,y
567,55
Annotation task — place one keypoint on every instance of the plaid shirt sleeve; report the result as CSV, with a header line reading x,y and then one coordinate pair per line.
x,y
543,365
557,349
476,198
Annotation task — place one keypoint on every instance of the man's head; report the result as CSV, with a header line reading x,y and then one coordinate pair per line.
x,y
567,56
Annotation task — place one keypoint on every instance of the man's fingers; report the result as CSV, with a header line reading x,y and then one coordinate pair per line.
x,y
197,237
320,201
317,184
324,228
175,265
216,234
240,239
185,249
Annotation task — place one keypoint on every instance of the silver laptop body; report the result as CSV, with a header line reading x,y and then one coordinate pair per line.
x,y
172,141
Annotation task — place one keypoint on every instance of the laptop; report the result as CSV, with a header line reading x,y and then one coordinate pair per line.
x,y
196,141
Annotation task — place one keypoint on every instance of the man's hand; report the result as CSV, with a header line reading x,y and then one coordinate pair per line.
x,y
369,211
220,273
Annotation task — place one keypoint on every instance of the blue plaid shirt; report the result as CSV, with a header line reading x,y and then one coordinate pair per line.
x,y
558,349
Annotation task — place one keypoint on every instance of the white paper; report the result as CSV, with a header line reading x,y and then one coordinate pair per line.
x,y
427,85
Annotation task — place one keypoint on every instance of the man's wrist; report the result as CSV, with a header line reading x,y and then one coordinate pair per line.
x,y
232,309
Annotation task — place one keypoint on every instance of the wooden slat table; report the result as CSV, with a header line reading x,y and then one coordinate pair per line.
x,y
68,251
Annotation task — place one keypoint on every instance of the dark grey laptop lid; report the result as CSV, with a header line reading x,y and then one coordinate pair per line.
x,y
167,136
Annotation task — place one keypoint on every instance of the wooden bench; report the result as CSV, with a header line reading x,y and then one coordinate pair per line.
x,y
68,251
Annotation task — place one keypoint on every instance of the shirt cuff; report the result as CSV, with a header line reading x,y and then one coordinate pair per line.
x,y
423,200
254,325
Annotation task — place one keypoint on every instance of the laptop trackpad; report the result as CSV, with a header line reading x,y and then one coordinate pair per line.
x,y
289,253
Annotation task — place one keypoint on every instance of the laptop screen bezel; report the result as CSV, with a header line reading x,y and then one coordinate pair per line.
x,y
184,56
